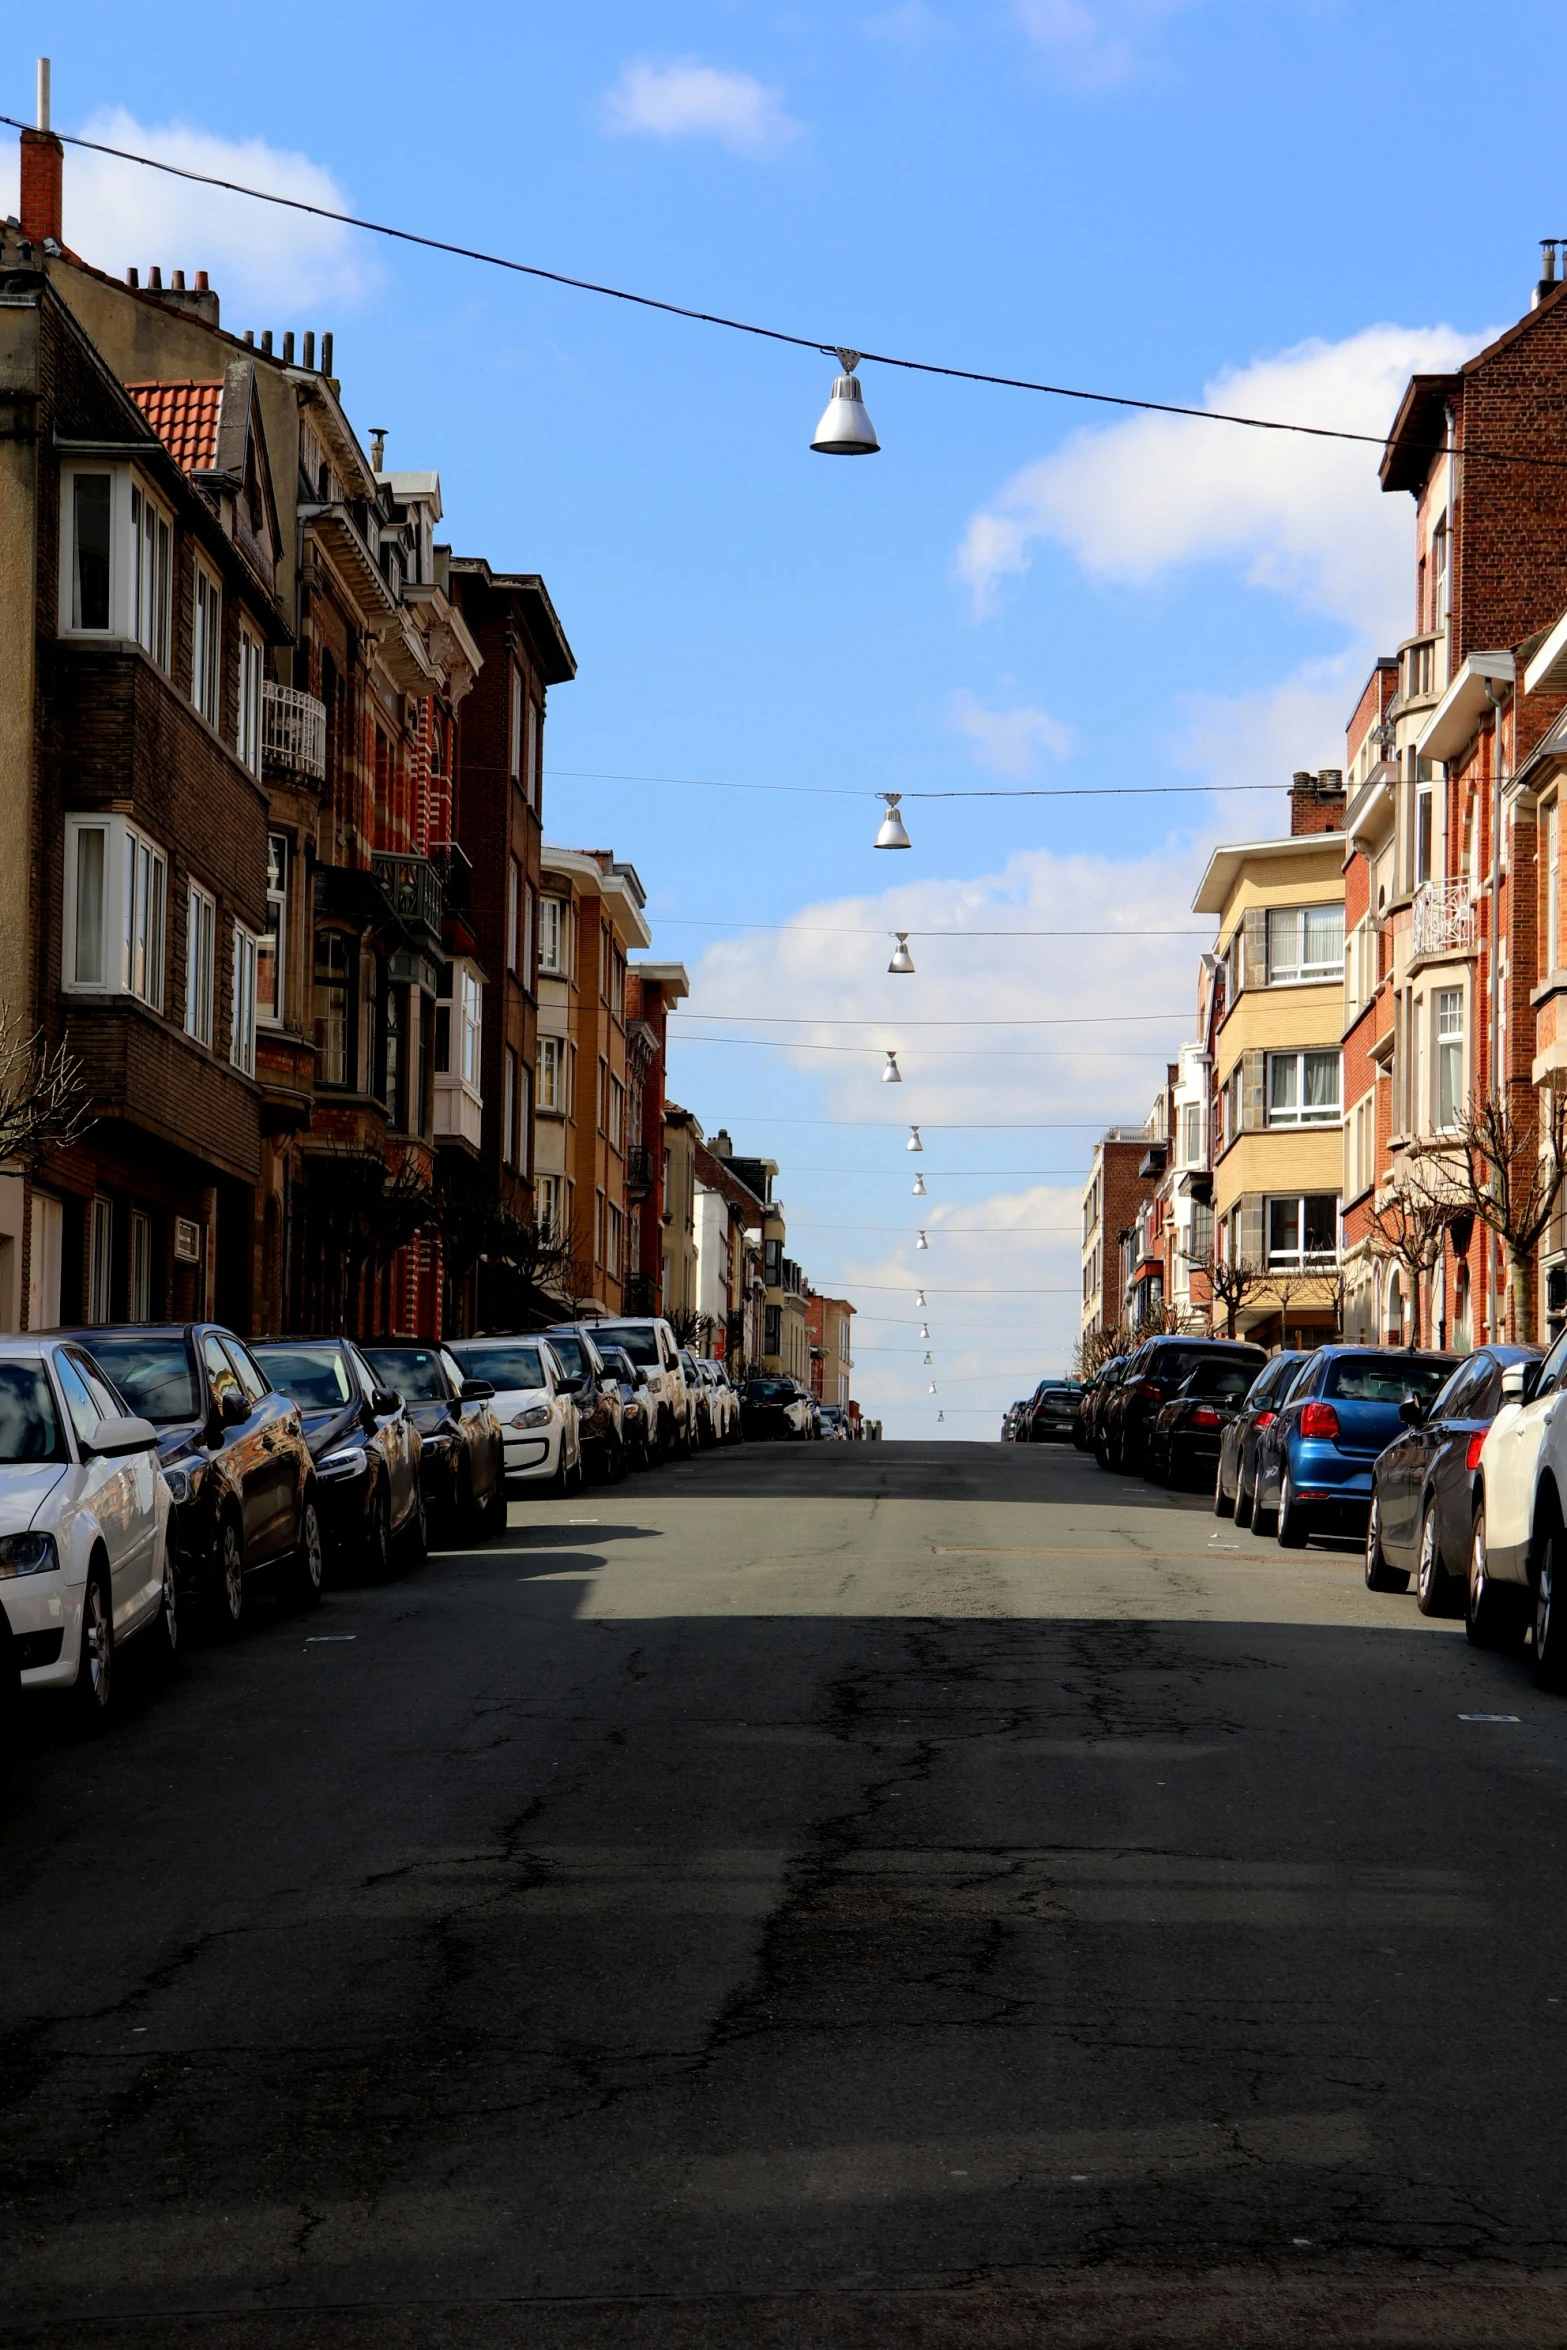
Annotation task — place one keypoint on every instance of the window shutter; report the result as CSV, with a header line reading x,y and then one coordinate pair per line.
x,y
1255,967
1253,1109
1253,1247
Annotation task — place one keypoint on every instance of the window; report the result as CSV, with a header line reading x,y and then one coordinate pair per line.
x,y
1360,1146
141,1267
546,1192
1439,575
152,564
470,1015
100,1261
613,1241
1424,805
394,1054
602,1108
513,912
1303,1232
509,1107
529,925
552,937
249,743
524,1122
273,943
335,976
1305,943
536,780
1447,1020
1551,826
598,1228
1303,1089
206,647
92,507
242,1026
201,932
617,1114
550,1066
617,981
1191,1134
515,764
115,890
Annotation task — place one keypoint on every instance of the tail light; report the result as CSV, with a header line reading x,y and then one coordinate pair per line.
x,y
1147,1389
1265,1419
1205,1416
1318,1419
1472,1455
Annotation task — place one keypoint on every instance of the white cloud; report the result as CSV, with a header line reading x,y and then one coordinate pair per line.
x,y
1010,742
1303,518
270,267
689,100
907,20
1094,42
1262,738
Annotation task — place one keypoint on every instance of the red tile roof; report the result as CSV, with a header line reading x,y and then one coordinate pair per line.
x,y
185,418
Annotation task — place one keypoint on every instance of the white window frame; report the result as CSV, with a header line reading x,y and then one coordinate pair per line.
x,y
513,912
135,511
100,1260
552,1069
1304,974
552,937
1298,1260
470,1028
151,573
247,739
135,877
277,928
206,644
242,1015
546,1198
1551,824
201,963
1447,1051
1301,1115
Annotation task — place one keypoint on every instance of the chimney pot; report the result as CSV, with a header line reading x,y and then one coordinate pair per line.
x,y
326,354
202,286
155,278
250,336
133,276
288,348
266,340
378,448
43,93
177,282
310,346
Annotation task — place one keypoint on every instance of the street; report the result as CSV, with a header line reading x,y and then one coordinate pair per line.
x,y
835,1895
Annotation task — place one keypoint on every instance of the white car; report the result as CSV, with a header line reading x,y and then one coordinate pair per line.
x,y
650,1343
534,1406
1518,1551
84,1522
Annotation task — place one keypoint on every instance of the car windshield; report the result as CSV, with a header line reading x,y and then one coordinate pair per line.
x,y
770,1390
29,1425
1383,1378
505,1366
315,1376
153,1373
415,1371
639,1339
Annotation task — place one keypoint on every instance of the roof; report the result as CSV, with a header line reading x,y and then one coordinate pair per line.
x,y
185,418
1418,431
557,663
1224,866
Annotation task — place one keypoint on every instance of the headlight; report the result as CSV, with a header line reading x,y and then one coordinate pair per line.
x,y
180,1482
537,1415
28,1554
352,1461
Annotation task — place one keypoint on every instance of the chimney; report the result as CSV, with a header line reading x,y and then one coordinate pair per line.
x,y
43,173
378,448
720,1144
1317,802
1547,284
310,348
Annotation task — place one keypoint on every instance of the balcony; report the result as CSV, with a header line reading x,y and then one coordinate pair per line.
x,y
456,872
639,1171
293,732
641,1293
1444,919
1422,668
412,888
459,1112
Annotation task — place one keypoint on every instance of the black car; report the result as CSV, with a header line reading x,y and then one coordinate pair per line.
x,y
596,1394
1422,1487
1185,1434
1151,1377
1050,1414
1106,1380
363,1443
1235,1479
638,1411
774,1407
462,1458
233,1455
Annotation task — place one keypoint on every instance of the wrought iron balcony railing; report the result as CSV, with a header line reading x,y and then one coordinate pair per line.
x,y
456,872
1443,918
412,888
293,732
639,1169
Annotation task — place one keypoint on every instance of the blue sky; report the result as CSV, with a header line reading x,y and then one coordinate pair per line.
x,y
1261,203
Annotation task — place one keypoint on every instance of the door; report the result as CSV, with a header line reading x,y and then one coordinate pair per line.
x,y
1406,1465
240,1448
109,1492
395,1439
282,1469
142,1470
1512,1460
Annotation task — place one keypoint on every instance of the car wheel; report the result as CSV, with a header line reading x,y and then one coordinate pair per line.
x,y
1223,1506
378,1534
94,1686
1492,1617
1550,1621
1379,1575
1433,1584
310,1557
229,1595
1263,1521
417,1532
1243,1500
1291,1524
168,1632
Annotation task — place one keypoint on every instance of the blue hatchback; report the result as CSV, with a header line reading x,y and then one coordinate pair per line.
x,y
1314,1464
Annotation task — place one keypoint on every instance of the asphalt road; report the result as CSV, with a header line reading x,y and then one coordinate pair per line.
x,y
818,1899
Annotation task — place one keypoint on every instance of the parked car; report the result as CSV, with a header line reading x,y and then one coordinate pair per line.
x,y
701,1398
1150,1378
1108,1380
1424,1486
596,1395
363,1443
835,1424
638,1412
233,1455
774,1407
462,1458
1050,1414
1011,1420
725,1403
1235,1479
1083,1419
1184,1435
84,1525
1517,1569
650,1343
534,1404
1314,1463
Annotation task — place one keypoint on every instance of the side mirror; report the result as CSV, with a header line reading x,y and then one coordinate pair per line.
x,y
232,1408
384,1401
1517,1386
119,1436
475,1391
609,1384
1411,1411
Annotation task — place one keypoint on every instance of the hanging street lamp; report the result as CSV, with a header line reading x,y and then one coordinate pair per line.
x,y
892,1074
919,1187
892,834
845,429
902,960
929,1357
914,1143
922,1242
919,1297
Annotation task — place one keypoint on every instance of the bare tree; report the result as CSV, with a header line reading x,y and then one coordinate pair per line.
x,y
690,1327
1409,1227
43,1097
1508,1166
364,1208
1231,1281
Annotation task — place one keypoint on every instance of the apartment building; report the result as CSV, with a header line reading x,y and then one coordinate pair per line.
x,y
1277,1100
682,1140
827,1326
730,1214
653,990
1115,1191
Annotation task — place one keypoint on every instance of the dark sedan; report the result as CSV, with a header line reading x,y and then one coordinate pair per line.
x,y
774,1408
462,1460
1314,1464
1105,1381
1185,1434
1151,1377
233,1455
1050,1413
638,1411
1235,1480
365,1447
1422,1487
596,1395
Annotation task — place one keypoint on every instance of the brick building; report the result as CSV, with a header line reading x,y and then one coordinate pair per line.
x,y
827,1328
1113,1195
652,992
730,1214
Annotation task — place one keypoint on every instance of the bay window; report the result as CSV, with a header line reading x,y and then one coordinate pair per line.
x,y
546,1194
152,570
250,675
1305,943
201,934
1303,1089
1447,1017
1303,1231
272,945
116,885
552,937
551,1057
91,542
242,1025
335,989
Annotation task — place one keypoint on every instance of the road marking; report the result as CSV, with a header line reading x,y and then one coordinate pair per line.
x,y
322,1639
1490,1717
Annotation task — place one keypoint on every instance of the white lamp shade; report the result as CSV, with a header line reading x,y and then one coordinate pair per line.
x,y
922,1242
892,1074
919,1297
902,960
914,1143
929,1357
919,1187
845,429
924,1330
892,834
